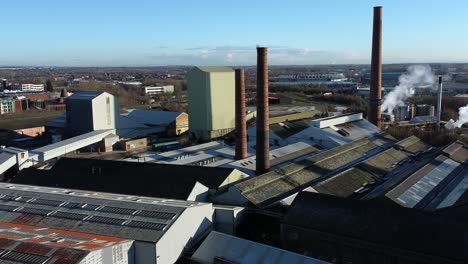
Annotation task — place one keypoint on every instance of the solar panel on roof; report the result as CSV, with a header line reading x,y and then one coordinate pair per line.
x,y
8,208
24,257
117,210
47,202
23,199
71,205
155,214
8,197
106,220
146,225
36,211
66,215
91,207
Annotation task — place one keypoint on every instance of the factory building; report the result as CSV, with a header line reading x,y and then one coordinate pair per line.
x,y
161,229
90,111
210,102
344,171
324,133
27,87
21,243
170,181
351,231
7,105
425,110
154,90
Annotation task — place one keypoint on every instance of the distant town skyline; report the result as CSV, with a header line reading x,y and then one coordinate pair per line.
x,y
158,33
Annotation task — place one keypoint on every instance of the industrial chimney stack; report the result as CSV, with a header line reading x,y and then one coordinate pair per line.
x,y
439,103
263,140
241,126
374,115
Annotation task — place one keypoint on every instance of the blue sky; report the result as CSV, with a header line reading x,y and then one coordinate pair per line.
x,y
214,32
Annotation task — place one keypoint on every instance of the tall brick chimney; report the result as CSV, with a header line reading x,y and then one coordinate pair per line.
x,y
263,129
375,98
241,125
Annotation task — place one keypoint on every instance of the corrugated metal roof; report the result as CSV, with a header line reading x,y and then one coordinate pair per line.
x,y
152,117
280,183
237,250
56,237
369,171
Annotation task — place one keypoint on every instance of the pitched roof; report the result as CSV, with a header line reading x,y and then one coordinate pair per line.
x,y
370,171
278,184
103,214
376,222
152,117
84,95
238,250
134,178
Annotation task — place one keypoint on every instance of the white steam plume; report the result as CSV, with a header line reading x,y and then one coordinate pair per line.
x,y
416,76
462,116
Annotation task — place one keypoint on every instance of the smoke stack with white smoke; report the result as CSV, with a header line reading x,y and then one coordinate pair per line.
x,y
416,76
462,116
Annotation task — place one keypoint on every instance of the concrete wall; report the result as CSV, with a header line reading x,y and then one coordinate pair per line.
x,y
189,227
333,121
104,116
116,254
145,252
198,96
137,144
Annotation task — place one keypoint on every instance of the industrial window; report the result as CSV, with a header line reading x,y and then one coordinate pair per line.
x,y
108,111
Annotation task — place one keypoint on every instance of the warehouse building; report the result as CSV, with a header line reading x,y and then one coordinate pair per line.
x,y
162,229
32,244
210,102
193,183
154,90
354,231
171,123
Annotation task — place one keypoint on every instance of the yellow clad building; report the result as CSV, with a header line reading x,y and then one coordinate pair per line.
x,y
211,102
